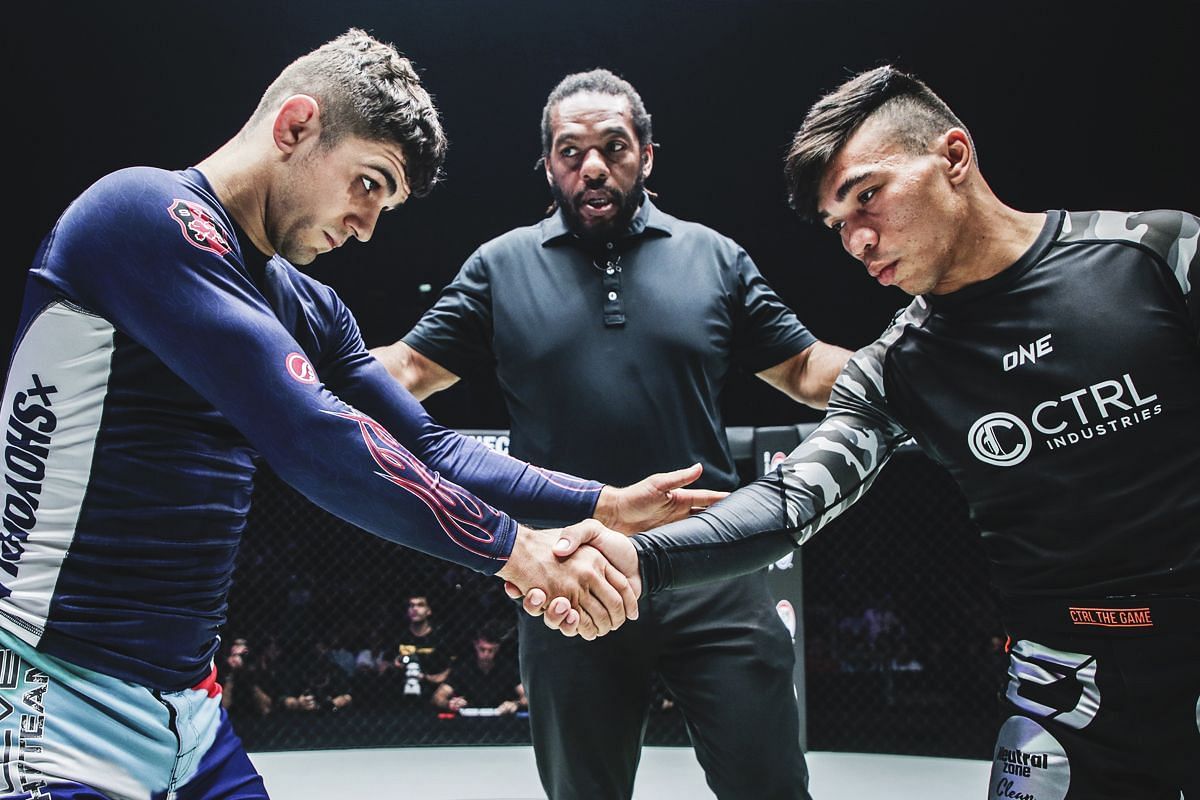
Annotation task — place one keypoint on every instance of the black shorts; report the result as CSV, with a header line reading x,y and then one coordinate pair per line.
x,y
1102,702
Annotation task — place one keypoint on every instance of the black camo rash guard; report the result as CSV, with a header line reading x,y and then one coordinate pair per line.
x,y
1063,396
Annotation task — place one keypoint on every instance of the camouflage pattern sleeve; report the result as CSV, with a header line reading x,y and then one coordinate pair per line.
x,y
1171,235
826,474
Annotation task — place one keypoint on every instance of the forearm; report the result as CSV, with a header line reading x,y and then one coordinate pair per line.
x,y
808,376
825,363
421,376
742,534
519,488
763,521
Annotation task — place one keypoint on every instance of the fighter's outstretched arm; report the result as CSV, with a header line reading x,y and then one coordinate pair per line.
x,y
655,500
206,318
756,525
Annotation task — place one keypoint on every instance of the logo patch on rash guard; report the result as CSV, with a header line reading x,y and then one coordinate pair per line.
x,y
299,368
1091,413
198,227
1000,439
27,448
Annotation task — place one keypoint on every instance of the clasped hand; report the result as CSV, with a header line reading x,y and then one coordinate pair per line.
x,y
594,578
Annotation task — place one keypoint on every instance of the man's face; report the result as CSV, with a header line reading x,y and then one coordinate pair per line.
x,y
485,652
596,167
895,211
239,653
418,610
327,196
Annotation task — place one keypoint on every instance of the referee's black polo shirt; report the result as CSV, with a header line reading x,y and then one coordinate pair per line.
x,y
612,356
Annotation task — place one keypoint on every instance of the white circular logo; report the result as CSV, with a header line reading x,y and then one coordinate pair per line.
x,y
1000,439
299,368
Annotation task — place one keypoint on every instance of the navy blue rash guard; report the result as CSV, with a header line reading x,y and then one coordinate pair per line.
x,y
157,356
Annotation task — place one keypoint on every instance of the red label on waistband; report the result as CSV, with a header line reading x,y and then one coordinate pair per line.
x,y
1111,617
209,684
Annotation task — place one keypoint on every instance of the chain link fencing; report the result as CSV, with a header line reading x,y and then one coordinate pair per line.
x,y
899,646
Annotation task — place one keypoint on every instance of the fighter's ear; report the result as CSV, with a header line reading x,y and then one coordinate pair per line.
x,y
959,154
298,118
647,159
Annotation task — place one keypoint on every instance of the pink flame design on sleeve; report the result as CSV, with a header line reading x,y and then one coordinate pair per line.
x,y
468,522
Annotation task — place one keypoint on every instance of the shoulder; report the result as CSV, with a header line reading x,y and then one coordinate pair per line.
x,y
142,206
1168,235
133,224
1157,229
515,244
145,191
690,232
866,367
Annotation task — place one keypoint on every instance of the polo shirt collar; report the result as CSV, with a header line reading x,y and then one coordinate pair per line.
x,y
647,218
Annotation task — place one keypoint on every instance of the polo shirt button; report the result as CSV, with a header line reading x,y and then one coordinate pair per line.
x,y
609,245
612,295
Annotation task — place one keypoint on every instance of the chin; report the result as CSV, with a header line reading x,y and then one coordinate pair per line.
x,y
301,259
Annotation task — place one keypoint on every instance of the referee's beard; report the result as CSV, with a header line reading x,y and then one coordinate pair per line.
x,y
627,205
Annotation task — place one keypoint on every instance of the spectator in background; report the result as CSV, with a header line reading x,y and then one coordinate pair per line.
x,y
485,679
317,683
247,679
880,621
340,654
374,657
421,658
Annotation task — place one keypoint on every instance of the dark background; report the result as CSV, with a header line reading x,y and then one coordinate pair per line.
x,y
1073,105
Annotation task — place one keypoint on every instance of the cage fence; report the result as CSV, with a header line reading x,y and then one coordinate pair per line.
x,y
899,645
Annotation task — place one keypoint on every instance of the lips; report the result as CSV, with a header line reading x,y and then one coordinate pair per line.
x,y
594,203
884,273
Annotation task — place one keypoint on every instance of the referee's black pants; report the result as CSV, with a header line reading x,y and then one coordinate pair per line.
x,y
724,655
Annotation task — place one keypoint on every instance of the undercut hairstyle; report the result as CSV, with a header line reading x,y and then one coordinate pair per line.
x,y
365,88
914,114
599,81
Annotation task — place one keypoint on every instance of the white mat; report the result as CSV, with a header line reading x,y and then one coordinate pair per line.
x,y
666,773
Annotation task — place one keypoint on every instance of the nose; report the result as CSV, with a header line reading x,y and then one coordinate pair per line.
x,y
361,223
594,168
858,240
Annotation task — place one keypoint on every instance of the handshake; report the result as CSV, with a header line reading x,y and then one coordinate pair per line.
x,y
584,579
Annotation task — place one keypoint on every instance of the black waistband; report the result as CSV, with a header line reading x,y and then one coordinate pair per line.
x,y
1103,616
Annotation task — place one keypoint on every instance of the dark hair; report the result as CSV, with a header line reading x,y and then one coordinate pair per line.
x,y
365,88
600,81
915,114
494,631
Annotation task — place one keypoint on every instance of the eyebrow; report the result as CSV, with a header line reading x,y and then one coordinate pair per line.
x,y
391,181
611,130
847,185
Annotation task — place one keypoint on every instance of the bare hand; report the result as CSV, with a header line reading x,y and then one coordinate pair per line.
x,y
654,500
602,593
558,614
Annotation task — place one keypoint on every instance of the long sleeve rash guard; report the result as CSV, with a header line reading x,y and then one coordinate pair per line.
x,y
157,355
1062,395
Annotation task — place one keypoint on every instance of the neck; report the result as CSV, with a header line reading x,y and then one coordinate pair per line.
x,y
238,181
992,239
420,628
